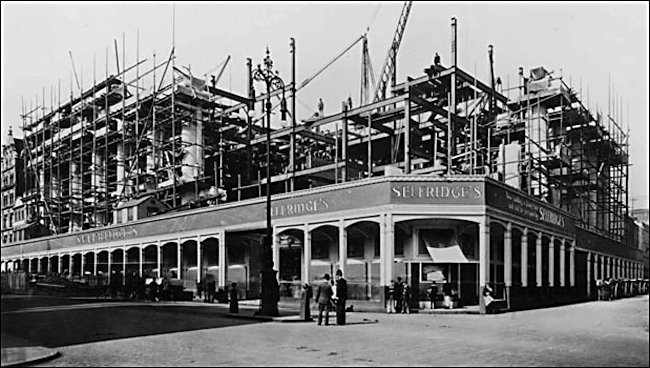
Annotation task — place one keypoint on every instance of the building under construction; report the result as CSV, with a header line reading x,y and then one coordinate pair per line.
x,y
441,178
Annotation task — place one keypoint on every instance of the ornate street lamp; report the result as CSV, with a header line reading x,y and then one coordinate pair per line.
x,y
270,288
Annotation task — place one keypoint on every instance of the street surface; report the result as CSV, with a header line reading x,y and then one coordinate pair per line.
x,y
611,333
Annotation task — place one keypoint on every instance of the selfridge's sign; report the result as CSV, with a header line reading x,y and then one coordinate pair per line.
x,y
301,208
528,208
438,192
107,235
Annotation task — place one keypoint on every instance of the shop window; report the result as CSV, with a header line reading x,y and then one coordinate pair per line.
x,y
129,213
320,249
356,245
118,216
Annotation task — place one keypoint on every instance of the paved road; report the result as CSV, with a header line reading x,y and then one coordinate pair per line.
x,y
55,322
589,334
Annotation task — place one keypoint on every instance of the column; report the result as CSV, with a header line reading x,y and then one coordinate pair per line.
x,y
83,256
572,265
140,260
382,250
159,253
306,253
49,265
178,258
524,258
275,248
562,262
343,247
609,267
198,259
507,255
386,250
124,265
588,273
39,267
538,259
95,263
390,248
222,259
60,269
484,258
70,264
602,267
110,256
551,262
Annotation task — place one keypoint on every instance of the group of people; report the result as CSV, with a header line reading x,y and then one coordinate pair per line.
x,y
398,297
207,288
332,292
611,288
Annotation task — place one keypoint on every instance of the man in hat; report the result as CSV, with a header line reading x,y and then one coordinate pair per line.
x,y
341,296
324,298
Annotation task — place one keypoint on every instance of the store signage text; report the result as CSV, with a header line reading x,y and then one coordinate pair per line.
x,y
530,209
300,208
437,191
107,235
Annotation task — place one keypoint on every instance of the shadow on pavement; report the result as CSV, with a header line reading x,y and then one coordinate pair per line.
x,y
71,326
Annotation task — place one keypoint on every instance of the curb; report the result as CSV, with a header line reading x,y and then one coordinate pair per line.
x,y
43,354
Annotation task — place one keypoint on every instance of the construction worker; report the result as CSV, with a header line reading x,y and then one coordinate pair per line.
x,y
436,59
321,107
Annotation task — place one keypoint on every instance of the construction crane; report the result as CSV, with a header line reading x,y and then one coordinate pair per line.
x,y
388,69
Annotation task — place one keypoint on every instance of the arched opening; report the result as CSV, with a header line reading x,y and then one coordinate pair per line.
x,y
516,256
324,251
189,264
76,265
150,261
210,258
89,263
362,250
440,255
133,261
43,265
497,267
291,262
117,263
102,262
532,259
169,261
54,268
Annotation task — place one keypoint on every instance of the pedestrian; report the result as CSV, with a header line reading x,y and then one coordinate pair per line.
x,y
406,298
211,287
234,298
390,297
398,295
341,297
164,288
324,298
432,291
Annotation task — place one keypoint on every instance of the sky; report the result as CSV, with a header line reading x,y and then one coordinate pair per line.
x,y
587,43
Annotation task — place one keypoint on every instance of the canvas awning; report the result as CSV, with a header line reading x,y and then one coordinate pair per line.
x,y
451,254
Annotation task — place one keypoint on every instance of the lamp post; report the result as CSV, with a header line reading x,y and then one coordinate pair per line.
x,y
270,288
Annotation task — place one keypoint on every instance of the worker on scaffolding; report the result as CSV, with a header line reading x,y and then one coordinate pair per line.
x,y
436,60
321,108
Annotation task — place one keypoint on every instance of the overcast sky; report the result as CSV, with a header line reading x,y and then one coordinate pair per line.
x,y
586,42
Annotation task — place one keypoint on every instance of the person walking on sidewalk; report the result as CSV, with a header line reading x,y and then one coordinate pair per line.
x,y
324,298
341,297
